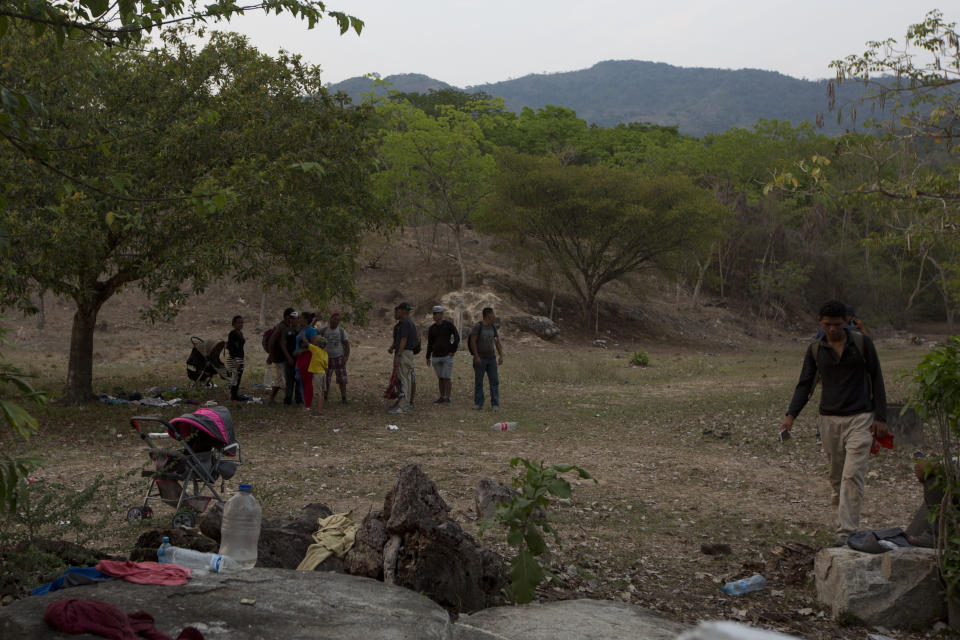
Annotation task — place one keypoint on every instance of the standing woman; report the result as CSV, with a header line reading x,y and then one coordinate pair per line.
x,y
303,356
235,342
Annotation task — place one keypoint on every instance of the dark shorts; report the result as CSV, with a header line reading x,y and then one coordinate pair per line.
x,y
338,366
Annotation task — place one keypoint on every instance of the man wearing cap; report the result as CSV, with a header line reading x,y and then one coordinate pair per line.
x,y
277,355
406,340
338,351
443,339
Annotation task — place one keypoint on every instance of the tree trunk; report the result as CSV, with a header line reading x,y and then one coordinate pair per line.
x,y
262,320
457,233
80,369
41,311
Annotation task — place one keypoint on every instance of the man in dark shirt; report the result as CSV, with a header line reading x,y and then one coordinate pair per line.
x,y
853,408
443,339
406,340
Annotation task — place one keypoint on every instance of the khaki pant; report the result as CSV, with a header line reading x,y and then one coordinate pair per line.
x,y
405,373
846,441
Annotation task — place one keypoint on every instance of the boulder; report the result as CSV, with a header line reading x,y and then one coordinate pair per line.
x,y
284,541
567,620
365,558
898,589
147,544
212,520
489,494
292,605
725,630
542,326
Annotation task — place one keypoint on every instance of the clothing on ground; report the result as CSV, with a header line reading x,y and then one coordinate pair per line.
x,y
442,339
852,382
486,339
145,572
72,577
335,341
76,616
335,536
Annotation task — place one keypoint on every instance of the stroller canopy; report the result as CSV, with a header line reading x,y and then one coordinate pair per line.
x,y
205,429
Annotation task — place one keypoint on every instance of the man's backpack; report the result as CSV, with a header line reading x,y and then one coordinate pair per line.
x,y
857,342
478,327
265,340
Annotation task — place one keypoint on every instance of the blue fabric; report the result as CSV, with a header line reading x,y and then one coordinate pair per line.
x,y
487,366
306,336
71,578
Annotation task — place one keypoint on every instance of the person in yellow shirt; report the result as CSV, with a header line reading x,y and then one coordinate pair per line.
x,y
318,369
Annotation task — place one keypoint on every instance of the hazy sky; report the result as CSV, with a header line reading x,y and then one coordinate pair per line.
x,y
468,42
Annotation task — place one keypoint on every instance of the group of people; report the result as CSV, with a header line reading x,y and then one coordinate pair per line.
x,y
303,359
443,341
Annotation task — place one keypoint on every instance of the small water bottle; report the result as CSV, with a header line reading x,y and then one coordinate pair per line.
x,y
240,531
756,582
504,426
163,552
192,559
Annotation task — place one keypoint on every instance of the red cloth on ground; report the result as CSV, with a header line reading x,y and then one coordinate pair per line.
x,y
76,616
145,572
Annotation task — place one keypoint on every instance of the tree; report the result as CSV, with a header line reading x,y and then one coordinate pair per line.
x,y
435,166
256,173
596,224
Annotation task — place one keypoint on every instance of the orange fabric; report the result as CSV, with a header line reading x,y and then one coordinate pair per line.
x,y
145,572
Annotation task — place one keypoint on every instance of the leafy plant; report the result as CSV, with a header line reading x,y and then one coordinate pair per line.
x,y
18,423
525,517
936,398
49,510
640,358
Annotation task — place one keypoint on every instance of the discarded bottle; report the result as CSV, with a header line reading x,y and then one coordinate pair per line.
x,y
756,582
216,562
504,426
240,531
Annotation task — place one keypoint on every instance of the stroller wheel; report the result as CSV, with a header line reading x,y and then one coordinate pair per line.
x,y
135,515
184,518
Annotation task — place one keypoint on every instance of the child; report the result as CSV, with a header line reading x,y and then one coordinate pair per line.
x,y
318,370
235,342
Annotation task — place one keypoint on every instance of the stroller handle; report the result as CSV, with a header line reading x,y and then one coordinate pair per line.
x,y
145,436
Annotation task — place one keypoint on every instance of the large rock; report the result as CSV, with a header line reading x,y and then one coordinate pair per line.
x,y
899,588
542,326
292,605
490,494
567,620
414,543
284,541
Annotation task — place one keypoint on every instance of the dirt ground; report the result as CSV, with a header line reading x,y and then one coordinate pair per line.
x,y
684,451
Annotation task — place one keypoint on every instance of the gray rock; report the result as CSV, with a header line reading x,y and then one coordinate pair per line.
x,y
542,326
365,558
212,520
567,620
725,630
899,588
292,605
284,541
489,494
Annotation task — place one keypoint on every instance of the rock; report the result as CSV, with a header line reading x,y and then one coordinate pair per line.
x,y
366,556
284,541
899,588
211,520
149,541
293,605
489,494
542,326
906,428
600,342
429,552
714,548
725,630
567,620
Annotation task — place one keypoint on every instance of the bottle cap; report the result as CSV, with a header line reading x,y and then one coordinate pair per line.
x,y
165,539
245,487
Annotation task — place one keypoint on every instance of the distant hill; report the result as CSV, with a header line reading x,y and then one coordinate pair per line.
x,y
405,82
698,100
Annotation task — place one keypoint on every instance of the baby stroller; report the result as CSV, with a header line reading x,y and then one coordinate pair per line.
x,y
180,477
204,362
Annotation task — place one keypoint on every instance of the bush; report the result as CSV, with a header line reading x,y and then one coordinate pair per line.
x,y
640,358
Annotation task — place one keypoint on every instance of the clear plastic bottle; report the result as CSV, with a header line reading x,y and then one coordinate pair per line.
x,y
504,426
240,531
756,582
216,562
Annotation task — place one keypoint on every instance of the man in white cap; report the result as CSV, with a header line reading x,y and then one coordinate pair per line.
x,y
443,340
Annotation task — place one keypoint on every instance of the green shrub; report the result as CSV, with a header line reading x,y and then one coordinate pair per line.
x,y
640,358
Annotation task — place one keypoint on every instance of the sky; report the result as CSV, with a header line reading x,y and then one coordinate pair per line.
x,y
466,43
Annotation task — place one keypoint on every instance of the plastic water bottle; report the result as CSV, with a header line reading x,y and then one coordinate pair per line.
x,y
216,562
756,582
240,531
504,426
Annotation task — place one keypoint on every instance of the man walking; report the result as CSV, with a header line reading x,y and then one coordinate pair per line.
x,y
443,340
292,394
405,345
487,355
853,408
338,352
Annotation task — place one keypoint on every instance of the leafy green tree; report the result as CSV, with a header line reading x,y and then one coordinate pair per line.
x,y
596,224
253,172
434,166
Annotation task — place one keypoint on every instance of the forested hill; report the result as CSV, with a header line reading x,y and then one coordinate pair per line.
x,y
699,100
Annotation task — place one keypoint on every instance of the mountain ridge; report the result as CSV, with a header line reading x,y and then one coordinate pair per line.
x,y
699,100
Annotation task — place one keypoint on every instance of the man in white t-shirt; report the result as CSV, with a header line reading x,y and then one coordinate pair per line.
x,y
338,350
